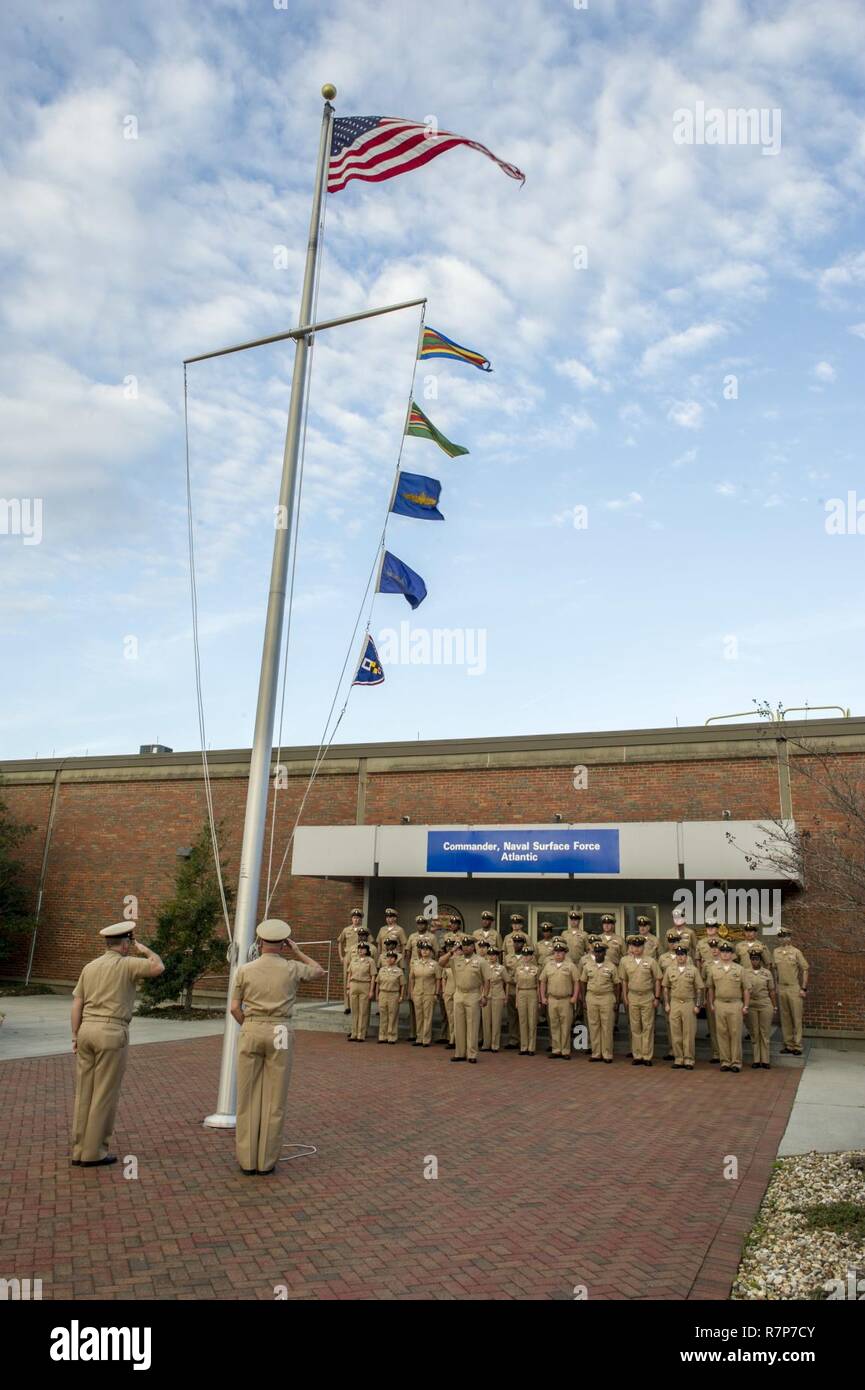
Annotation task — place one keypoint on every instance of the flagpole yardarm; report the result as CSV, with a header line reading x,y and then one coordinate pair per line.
x,y
249,878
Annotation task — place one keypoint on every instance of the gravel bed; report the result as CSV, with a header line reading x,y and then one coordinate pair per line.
x,y
784,1257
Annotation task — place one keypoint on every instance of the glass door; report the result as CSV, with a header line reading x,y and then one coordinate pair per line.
x,y
556,913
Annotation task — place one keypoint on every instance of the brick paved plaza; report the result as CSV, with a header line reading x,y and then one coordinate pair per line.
x,y
549,1177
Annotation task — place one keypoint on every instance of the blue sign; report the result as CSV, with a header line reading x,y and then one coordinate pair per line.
x,y
558,851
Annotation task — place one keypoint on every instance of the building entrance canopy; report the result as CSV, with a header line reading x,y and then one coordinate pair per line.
x,y
628,850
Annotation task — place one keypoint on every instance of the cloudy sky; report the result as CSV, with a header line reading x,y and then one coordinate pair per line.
x,y
639,534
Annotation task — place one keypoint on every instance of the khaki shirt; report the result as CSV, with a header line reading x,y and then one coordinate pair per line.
x,y
688,937
791,966
423,976
544,950
510,949
651,945
742,953
346,941
488,934
728,982
361,970
615,946
267,987
107,986
390,931
352,947
447,978
560,978
525,975
639,975
759,982
469,974
668,958
684,982
704,950
415,940
390,979
599,979
498,980
576,941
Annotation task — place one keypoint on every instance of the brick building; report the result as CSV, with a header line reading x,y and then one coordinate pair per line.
x,y
612,822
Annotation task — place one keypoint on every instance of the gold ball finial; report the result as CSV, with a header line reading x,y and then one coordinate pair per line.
x,y
328,91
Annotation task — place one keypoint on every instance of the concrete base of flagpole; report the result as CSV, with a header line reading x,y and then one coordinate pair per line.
x,y
220,1121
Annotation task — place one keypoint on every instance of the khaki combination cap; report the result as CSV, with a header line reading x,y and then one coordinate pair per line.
x,y
487,916
273,930
118,929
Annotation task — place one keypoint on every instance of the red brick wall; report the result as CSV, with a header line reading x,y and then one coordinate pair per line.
x,y
115,838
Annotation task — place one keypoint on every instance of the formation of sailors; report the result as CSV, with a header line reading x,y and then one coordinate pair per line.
x,y
485,987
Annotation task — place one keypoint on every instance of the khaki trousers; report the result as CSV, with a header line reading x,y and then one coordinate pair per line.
x,y
99,1066
467,1008
527,1013
388,1014
448,1025
713,1030
263,1074
491,1019
641,1017
358,998
760,1027
513,1020
790,1012
561,1016
423,1012
600,1014
682,1027
728,1019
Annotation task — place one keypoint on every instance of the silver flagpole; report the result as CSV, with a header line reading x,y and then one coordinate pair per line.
x,y
246,909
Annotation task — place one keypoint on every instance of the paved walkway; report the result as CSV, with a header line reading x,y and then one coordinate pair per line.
x,y
829,1112
37,1025
549,1178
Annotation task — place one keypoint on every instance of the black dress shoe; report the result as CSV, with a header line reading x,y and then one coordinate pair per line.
x,y
608,1060
715,1061
392,1041
98,1162
597,1059
473,1060
345,1011
266,1172
450,1047
756,1066
349,1037
530,1054
417,1043
636,1062
458,1059
668,1057
646,1063
75,1162
249,1172
787,1050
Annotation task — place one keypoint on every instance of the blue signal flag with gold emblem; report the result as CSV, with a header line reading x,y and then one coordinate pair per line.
x,y
417,496
370,670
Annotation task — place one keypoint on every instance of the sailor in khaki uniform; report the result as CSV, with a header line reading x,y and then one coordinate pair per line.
x,y
525,972
102,1004
729,997
687,936
423,978
494,1005
390,931
487,930
361,988
345,946
744,948
599,983
614,944
559,986
683,996
668,957
452,946
389,992
651,944
641,988
574,937
761,984
791,972
709,954
262,1002
544,947
471,986
512,948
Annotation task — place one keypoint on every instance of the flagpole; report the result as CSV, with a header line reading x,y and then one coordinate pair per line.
x,y
246,910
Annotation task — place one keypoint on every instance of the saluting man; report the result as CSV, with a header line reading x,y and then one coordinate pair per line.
x,y
559,986
683,997
791,970
262,1002
102,1005
641,988
729,997
452,946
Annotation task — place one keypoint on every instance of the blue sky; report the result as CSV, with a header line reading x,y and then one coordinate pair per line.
x,y
704,577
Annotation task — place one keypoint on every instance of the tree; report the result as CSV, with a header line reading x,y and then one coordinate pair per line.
x,y
186,926
15,920
829,857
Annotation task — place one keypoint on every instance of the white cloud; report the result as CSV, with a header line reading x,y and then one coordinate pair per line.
x,y
687,414
858,329
685,344
824,371
726,489
617,504
581,375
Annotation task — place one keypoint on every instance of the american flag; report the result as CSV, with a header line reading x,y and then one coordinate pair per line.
x,y
374,148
